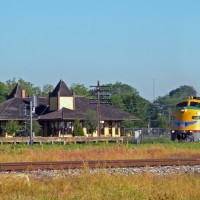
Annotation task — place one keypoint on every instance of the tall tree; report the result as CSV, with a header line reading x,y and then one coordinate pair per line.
x,y
183,92
120,89
80,89
30,88
46,89
91,122
160,109
36,127
127,98
10,84
3,92
78,130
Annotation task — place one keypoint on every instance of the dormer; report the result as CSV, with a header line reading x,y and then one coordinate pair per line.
x,y
17,92
61,97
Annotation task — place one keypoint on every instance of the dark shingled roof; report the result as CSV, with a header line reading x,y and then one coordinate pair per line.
x,y
10,109
61,89
82,105
107,111
62,114
16,92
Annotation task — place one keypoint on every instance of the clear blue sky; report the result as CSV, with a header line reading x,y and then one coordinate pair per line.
x,y
131,41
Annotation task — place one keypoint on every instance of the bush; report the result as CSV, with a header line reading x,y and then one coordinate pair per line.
x,y
78,130
11,127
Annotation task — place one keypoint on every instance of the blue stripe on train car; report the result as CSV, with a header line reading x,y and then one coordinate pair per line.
x,y
183,124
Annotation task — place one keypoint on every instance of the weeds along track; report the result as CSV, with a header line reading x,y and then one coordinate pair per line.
x,y
54,165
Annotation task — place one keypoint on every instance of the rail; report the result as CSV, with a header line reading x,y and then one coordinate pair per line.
x,y
16,166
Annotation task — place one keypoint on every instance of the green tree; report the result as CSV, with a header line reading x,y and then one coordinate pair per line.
x,y
120,88
128,123
10,85
12,127
46,89
137,106
36,127
80,89
30,88
159,110
127,98
78,130
118,101
91,122
3,92
183,92
163,122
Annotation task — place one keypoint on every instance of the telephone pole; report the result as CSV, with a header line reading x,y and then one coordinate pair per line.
x,y
98,107
101,98
33,105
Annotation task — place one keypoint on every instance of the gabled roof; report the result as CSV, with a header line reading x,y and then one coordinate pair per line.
x,y
64,114
16,92
10,109
82,105
107,111
61,89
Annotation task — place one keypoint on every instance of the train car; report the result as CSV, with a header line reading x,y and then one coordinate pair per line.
x,y
185,120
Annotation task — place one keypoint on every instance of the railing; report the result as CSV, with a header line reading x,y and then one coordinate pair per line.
x,y
62,140
130,135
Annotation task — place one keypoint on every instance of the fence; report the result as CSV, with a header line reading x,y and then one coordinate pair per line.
x,y
61,140
146,135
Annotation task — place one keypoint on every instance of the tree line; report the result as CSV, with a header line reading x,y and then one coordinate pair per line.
x,y
123,96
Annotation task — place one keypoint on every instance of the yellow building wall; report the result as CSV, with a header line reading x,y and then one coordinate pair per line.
x,y
95,134
119,132
53,103
106,131
66,102
113,131
85,130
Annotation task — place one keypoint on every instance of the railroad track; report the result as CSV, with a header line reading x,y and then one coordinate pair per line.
x,y
53,165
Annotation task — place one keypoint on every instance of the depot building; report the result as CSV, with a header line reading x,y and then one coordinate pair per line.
x,y
57,113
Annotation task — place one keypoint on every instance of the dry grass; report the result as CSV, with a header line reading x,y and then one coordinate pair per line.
x,y
102,186
11,153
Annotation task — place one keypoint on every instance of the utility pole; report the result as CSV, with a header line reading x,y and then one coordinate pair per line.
x,y
33,105
31,122
101,98
98,107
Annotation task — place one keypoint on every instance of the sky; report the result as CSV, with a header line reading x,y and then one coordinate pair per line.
x,y
151,45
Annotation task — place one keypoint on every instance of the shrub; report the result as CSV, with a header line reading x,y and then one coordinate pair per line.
x,y
11,127
78,130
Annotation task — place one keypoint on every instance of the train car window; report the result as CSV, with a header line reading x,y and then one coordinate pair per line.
x,y
195,117
195,104
182,104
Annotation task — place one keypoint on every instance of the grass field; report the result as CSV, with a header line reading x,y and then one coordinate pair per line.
x,y
103,151
101,185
